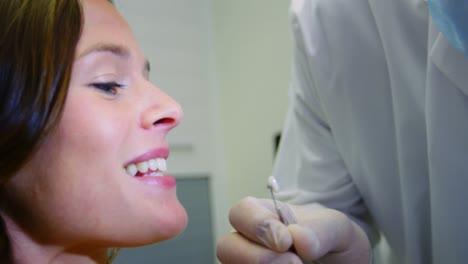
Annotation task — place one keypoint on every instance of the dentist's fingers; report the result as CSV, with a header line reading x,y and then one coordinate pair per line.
x,y
331,237
236,249
257,220
321,234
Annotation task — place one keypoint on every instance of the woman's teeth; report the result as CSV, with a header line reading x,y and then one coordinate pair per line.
x,y
152,167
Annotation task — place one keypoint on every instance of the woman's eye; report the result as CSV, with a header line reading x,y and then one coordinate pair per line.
x,y
108,87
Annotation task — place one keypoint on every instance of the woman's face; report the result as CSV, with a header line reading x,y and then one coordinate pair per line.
x,y
79,188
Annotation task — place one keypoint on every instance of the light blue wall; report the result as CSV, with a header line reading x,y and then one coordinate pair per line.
x,y
253,59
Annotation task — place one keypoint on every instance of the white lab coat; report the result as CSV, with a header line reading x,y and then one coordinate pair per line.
x,y
378,124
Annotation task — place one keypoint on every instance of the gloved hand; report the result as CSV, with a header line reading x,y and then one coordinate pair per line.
x,y
321,235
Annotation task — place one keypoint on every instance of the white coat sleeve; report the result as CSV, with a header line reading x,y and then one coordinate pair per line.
x,y
308,166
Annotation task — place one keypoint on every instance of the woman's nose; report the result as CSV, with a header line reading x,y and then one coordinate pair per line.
x,y
163,113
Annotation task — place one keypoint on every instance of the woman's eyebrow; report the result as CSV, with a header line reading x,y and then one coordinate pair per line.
x,y
115,49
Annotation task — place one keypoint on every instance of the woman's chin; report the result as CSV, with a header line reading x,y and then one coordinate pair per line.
x,y
175,225
164,227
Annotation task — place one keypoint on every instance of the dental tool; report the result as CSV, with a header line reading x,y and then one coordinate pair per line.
x,y
274,187
285,216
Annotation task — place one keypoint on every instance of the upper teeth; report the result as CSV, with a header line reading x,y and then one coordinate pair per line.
x,y
142,167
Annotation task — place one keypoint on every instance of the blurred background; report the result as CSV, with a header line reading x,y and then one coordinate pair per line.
x,y
228,64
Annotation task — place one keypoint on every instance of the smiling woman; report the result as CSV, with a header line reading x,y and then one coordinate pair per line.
x,y
83,143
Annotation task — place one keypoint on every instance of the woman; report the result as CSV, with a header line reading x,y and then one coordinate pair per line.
x,y
83,136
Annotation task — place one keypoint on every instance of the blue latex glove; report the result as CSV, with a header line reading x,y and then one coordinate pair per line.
x,y
451,16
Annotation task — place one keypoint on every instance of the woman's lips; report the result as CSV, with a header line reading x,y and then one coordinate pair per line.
x,y
162,153
166,181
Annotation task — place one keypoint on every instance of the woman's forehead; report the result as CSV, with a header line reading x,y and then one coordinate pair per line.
x,y
102,23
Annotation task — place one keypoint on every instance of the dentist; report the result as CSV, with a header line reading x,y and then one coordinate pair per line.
x,y
375,141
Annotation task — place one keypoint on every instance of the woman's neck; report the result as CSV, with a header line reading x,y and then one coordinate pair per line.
x,y
23,253
25,250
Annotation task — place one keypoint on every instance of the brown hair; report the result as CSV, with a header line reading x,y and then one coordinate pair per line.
x,y
38,40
